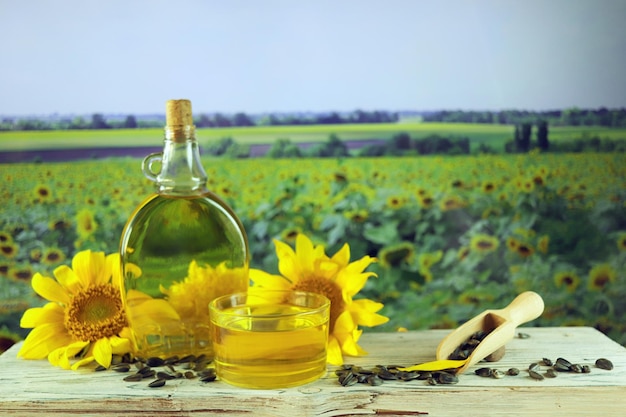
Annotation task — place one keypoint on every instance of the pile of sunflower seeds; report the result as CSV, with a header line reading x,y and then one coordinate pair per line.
x,y
467,347
159,370
553,368
349,375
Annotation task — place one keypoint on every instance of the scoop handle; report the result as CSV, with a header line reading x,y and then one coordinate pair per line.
x,y
525,307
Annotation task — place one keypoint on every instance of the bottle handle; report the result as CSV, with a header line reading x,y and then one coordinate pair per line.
x,y
147,163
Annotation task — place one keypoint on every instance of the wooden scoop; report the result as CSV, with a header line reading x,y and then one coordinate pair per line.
x,y
500,324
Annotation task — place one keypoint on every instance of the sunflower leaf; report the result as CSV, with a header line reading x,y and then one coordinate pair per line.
x,y
383,234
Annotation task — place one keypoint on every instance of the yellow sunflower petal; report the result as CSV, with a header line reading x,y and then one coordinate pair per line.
x,y
67,278
287,264
49,313
58,357
134,296
364,313
112,268
344,323
352,283
359,266
305,251
342,257
263,279
43,339
61,356
146,313
334,352
82,362
90,267
49,289
102,351
348,342
325,268
120,345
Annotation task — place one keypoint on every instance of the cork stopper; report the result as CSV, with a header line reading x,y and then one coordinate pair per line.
x,y
178,113
179,120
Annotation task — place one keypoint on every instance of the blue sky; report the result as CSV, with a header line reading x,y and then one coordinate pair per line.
x,y
130,56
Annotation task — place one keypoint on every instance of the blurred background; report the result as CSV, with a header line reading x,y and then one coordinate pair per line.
x,y
476,148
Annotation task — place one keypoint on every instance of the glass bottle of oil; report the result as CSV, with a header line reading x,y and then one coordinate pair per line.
x,y
181,248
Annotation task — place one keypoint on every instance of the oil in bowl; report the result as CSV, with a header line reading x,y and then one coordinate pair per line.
x,y
270,339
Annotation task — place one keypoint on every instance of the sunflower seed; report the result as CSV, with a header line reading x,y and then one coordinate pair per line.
x,y
387,375
586,369
157,383
374,380
604,363
512,371
133,377
121,367
562,365
147,374
145,370
446,378
361,378
155,361
484,372
577,368
208,378
348,379
164,375
171,360
550,373
547,362
206,372
100,368
498,374
535,375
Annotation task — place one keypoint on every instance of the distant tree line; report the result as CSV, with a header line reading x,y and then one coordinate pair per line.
x,y
99,121
567,117
242,119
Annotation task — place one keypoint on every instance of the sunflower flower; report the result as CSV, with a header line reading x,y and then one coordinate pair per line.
x,y
308,268
567,279
484,244
86,223
600,276
84,318
396,255
190,297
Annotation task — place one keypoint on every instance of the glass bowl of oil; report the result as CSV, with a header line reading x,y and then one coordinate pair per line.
x,y
268,339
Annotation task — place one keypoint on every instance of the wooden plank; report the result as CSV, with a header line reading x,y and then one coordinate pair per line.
x,y
31,388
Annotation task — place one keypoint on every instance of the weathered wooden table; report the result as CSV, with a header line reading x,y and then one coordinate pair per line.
x,y
36,388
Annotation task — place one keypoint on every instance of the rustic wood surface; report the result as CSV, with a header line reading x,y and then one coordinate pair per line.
x,y
33,388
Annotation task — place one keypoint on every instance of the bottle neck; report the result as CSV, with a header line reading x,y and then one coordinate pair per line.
x,y
182,173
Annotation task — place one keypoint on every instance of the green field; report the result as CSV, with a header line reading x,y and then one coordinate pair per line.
x,y
453,235
490,134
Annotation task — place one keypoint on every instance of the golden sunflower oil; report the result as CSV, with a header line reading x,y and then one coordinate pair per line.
x,y
181,248
270,346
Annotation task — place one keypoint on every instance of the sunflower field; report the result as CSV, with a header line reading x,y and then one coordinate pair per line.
x,y
453,235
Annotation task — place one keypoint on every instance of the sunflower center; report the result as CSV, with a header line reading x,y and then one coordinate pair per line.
x,y
95,313
601,280
331,290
